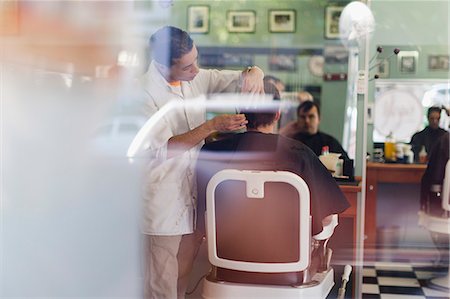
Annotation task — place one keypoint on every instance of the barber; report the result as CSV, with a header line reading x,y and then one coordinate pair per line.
x,y
169,198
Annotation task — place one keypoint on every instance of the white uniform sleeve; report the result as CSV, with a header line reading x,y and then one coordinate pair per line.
x,y
158,131
222,81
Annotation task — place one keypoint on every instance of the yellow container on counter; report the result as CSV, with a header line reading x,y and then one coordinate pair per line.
x,y
389,149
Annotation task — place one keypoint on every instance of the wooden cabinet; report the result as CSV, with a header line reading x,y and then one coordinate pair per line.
x,y
385,173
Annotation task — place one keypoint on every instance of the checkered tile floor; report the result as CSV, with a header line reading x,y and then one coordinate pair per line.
x,y
388,280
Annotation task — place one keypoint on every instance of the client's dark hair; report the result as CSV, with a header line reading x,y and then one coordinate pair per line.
x,y
306,106
263,116
168,44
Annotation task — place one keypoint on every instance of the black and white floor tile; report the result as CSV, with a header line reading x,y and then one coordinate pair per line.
x,y
388,280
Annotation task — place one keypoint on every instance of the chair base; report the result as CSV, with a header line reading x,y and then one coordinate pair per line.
x,y
223,289
439,283
434,224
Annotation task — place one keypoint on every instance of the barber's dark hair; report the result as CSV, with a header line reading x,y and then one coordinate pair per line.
x,y
169,44
263,116
433,109
306,106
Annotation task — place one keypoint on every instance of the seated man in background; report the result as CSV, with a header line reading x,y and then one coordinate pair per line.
x,y
270,151
306,130
428,136
293,99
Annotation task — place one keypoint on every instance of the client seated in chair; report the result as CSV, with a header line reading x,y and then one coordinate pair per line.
x,y
260,150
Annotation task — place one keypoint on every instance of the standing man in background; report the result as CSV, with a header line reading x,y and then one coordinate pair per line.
x,y
428,136
169,196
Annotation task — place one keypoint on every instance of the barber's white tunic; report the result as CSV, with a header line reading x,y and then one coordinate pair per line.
x,y
169,187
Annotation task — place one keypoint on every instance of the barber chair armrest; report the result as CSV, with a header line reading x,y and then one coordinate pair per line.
x,y
329,223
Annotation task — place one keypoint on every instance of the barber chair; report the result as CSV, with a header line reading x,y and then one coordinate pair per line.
x,y
258,229
439,225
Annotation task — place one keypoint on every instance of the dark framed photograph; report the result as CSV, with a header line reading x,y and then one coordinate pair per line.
x,y
282,20
241,21
287,63
407,61
382,68
438,62
225,60
332,15
198,19
335,54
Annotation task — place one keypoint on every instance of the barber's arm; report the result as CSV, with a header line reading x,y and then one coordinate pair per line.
x,y
226,122
290,129
249,80
252,80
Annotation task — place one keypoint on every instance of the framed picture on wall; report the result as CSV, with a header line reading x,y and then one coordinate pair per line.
x,y
332,15
198,19
335,54
241,21
282,20
287,63
382,69
438,62
407,61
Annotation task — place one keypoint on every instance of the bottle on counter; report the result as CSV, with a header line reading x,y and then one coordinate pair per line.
x,y
409,154
399,152
423,156
389,148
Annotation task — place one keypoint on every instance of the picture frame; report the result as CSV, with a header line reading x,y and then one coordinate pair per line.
x,y
335,54
241,21
225,60
438,62
407,62
382,69
198,19
282,20
287,63
332,15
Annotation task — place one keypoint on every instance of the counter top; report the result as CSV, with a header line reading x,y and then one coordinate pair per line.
x,y
399,166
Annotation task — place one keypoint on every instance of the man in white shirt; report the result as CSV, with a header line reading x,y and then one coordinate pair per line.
x,y
169,188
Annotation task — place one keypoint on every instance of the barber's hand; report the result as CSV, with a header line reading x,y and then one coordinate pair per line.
x,y
447,110
227,122
252,80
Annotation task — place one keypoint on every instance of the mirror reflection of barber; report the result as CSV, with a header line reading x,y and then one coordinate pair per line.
x,y
428,137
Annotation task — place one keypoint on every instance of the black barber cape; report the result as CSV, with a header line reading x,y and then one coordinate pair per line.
x,y
260,151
